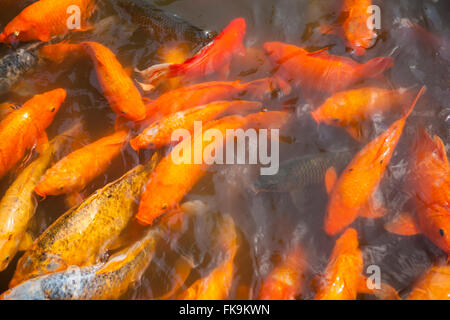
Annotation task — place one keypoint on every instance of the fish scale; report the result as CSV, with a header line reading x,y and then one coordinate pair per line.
x,y
15,65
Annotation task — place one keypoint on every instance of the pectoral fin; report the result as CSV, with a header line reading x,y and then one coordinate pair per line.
x,y
405,224
330,179
355,131
42,143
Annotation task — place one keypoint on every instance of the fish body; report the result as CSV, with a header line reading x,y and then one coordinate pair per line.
x,y
350,109
343,272
162,25
285,281
298,173
172,181
357,184
15,65
320,71
44,19
101,281
76,170
159,133
203,93
434,285
216,285
215,57
356,30
79,236
59,52
24,128
428,181
118,88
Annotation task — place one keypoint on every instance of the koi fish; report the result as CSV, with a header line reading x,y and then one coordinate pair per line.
x,y
349,109
172,181
204,93
159,134
353,193
215,57
118,88
101,281
355,29
79,236
24,128
343,278
428,181
44,19
18,205
434,285
286,280
216,286
75,171
61,51
163,26
321,71
299,173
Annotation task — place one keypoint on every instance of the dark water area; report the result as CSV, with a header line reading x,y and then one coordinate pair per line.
x,y
268,223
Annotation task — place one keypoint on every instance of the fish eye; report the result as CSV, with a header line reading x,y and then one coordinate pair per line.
x,y
53,109
441,232
7,259
16,33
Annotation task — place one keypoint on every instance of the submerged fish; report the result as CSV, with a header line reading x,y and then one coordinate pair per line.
x,y
159,133
285,281
434,285
352,195
298,173
171,181
217,284
101,281
161,25
76,170
213,58
44,19
80,235
15,65
24,128
18,205
320,71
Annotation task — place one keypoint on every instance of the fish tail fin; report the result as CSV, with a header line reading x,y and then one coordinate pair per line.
x,y
155,74
413,104
375,67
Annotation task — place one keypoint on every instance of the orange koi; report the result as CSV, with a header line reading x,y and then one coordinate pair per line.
x,y
171,181
44,19
286,280
428,181
434,285
321,71
204,93
215,57
76,170
349,109
118,88
355,29
352,194
159,134
24,128
216,286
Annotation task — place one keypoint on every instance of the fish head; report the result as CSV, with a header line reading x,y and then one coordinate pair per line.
x,y
8,248
435,224
16,31
46,111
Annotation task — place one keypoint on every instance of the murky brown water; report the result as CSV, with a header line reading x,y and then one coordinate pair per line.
x,y
267,222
